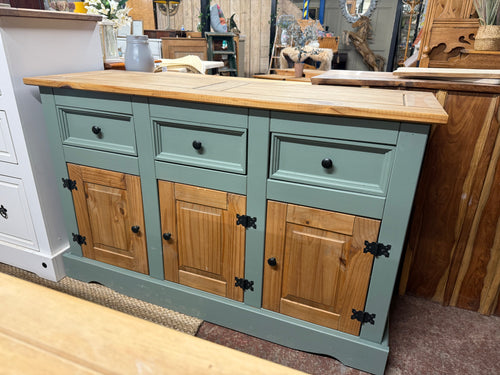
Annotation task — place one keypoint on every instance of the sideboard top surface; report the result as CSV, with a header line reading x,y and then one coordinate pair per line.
x,y
394,105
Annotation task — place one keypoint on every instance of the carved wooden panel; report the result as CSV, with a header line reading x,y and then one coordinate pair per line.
x,y
449,28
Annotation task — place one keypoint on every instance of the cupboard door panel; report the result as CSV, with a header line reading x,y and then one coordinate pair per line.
x,y
16,225
107,205
321,272
205,249
7,152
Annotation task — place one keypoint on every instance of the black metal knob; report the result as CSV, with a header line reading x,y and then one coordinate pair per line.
x,y
167,236
3,212
96,130
327,163
272,261
197,145
135,228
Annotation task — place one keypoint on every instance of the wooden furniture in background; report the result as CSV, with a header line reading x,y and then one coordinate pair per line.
x,y
173,48
448,29
453,248
142,10
223,47
37,323
230,146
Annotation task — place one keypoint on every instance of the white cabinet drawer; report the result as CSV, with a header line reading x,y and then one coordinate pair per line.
x,y
16,226
7,153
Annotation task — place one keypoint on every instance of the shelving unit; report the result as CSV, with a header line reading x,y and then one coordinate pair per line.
x,y
222,47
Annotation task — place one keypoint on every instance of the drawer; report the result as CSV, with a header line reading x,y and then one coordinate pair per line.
x,y
16,226
98,130
213,147
338,164
7,153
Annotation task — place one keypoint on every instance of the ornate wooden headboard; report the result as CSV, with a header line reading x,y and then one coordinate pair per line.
x,y
449,29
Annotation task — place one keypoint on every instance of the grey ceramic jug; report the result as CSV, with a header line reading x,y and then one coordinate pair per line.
x,y
138,56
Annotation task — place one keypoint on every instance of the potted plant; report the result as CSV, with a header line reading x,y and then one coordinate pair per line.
x,y
115,14
302,38
488,34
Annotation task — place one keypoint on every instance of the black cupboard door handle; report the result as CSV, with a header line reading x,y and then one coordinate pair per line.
x,y
327,163
135,228
96,130
3,212
272,261
197,145
167,236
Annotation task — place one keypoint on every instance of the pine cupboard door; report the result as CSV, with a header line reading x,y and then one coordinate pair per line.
x,y
315,268
108,207
202,246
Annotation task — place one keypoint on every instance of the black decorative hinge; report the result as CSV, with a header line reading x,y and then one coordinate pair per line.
x,y
243,284
363,317
79,239
3,212
69,184
246,221
377,248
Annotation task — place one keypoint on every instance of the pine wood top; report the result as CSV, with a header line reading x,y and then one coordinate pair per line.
x,y
35,13
43,331
419,107
387,79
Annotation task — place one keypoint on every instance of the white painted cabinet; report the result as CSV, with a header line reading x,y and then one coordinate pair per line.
x,y
32,42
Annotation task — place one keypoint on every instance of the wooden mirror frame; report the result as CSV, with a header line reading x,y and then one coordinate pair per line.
x,y
349,17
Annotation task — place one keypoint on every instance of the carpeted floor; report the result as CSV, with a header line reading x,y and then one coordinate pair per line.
x,y
107,297
425,337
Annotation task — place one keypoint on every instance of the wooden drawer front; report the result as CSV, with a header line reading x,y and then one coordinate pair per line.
x,y
220,148
7,153
355,166
16,226
98,130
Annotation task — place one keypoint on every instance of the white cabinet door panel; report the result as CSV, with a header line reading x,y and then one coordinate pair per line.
x,y
16,226
7,152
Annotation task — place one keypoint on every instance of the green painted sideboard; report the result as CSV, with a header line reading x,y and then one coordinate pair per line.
x,y
275,209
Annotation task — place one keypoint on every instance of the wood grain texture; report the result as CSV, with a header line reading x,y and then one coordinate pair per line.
x,y
206,249
389,80
107,205
40,331
142,10
169,225
420,107
321,274
450,184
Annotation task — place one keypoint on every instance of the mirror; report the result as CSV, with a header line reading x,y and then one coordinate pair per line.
x,y
353,9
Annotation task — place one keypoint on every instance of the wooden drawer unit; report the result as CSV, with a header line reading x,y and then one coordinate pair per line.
x,y
344,165
104,131
16,226
247,224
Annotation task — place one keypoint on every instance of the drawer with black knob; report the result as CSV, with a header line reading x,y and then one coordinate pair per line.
x,y
98,130
332,163
222,148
